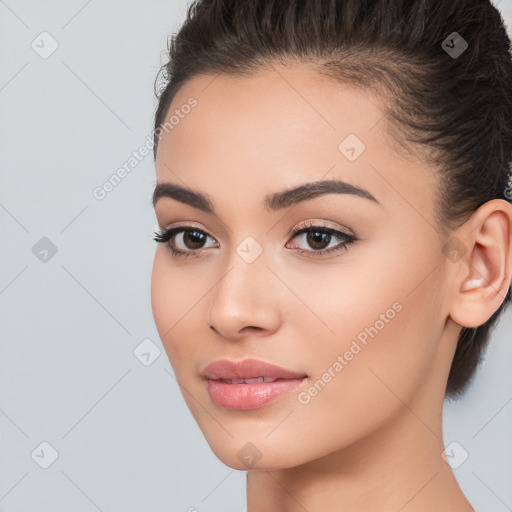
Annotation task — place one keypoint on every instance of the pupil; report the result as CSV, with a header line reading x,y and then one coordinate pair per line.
x,y
197,238
318,237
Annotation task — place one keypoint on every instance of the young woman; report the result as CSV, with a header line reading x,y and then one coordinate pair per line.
x,y
333,193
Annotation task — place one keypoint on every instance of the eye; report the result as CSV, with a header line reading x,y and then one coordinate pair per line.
x,y
182,241
319,238
185,241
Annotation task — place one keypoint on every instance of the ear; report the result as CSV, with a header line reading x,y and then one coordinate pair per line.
x,y
481,249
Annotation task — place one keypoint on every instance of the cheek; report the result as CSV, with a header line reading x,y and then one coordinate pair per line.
x,y
175,296
387,322
161,301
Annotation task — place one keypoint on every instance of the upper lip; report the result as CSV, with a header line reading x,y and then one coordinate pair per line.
x,y
247,369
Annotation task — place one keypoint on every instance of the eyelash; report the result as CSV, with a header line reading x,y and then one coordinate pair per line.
x,y
165,235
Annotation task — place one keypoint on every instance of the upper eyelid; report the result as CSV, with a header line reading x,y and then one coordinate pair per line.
x,y
320,224
294,230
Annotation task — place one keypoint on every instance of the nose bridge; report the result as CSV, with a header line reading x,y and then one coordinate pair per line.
x,y
246,269
242,297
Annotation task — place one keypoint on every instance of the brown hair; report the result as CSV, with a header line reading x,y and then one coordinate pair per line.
x,y
455,109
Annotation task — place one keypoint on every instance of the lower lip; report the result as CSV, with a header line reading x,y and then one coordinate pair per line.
x,y
250,396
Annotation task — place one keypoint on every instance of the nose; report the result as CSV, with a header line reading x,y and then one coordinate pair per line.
x,y
245,302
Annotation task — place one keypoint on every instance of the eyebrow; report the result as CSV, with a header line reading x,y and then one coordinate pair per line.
x,y
272,202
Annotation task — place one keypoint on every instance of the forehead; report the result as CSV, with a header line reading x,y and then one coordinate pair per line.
x,y
275,129
277,106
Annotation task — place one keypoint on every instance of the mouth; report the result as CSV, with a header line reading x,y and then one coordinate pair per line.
x,y
246,370
248,381
249,384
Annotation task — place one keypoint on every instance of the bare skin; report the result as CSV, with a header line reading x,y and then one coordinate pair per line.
x,y
371,438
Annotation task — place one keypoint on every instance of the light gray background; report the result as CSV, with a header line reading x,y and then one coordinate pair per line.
x,y
68,375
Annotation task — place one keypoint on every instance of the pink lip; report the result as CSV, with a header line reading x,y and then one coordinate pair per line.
x,y
247,369
244,396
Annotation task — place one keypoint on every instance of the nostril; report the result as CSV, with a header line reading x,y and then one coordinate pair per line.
x,y
251,328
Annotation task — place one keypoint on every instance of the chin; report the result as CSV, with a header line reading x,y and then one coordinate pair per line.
x,y
259,454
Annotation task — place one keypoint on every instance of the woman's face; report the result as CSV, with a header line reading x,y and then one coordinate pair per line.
x,y
362,320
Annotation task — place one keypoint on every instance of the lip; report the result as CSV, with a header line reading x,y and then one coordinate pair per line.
x,y
247,369
245,396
